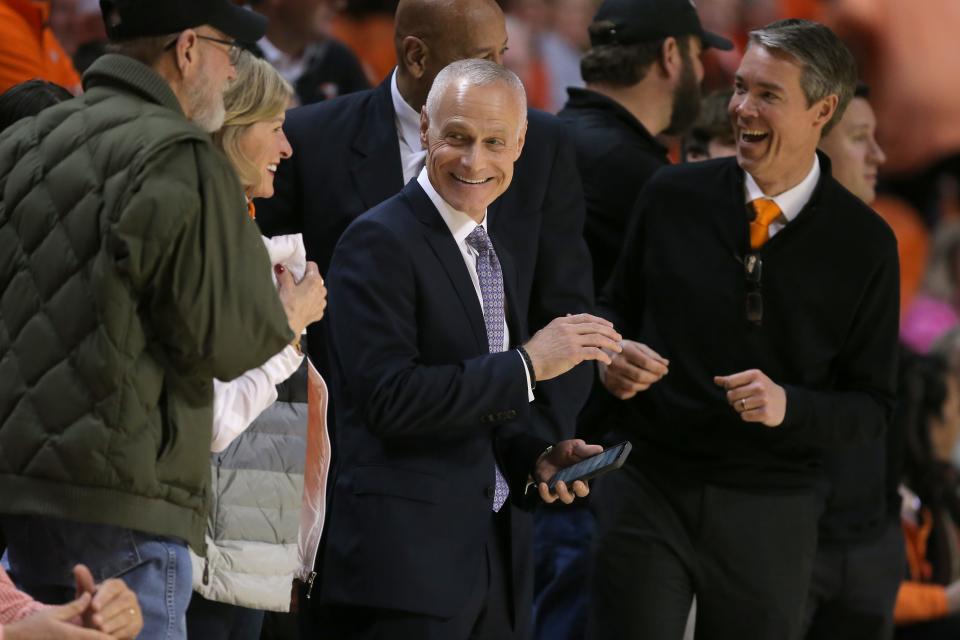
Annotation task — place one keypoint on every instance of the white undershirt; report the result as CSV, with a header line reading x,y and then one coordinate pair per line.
x,y
462,225
791,202
407,121
236,404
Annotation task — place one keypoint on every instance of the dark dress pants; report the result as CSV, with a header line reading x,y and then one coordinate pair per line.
x,y
662,538
209,620
854,588
487,614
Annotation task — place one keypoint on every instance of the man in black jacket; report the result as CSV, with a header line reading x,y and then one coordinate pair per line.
x,y
860,552
298,44
773,291
643,75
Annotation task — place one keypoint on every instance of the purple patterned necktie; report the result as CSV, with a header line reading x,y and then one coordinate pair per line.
x,y
491,290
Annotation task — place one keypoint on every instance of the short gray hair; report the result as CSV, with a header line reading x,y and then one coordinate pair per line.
x,y
476,73
827,66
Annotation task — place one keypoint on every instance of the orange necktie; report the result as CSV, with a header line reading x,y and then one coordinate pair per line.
x,y
767,211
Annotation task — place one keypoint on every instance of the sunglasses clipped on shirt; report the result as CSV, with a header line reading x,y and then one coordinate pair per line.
x,y
753,273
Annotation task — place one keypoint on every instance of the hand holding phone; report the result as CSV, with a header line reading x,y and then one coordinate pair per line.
x,y
597,465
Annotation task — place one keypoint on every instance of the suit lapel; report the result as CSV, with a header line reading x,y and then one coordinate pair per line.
x,y
438,236
509,271
376,167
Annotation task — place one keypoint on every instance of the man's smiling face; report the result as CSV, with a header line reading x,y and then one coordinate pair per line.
x,y
776,131
472,141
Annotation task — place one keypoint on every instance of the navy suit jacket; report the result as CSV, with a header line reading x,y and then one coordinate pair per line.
x,y
424,410
346,160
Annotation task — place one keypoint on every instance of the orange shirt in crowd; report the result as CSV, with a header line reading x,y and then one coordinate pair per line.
x,y
28,48
919,599
371,39
913,242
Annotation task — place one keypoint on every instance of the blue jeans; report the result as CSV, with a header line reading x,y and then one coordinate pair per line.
x,y
43,551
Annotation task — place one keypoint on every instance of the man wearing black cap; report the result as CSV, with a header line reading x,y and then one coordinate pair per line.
x,y
123,237
773,291
643,75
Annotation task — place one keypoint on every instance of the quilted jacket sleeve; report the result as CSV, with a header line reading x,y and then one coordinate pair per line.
x,y
200,264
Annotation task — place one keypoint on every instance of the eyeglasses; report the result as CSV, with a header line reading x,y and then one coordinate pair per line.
x,y
234,49
753,271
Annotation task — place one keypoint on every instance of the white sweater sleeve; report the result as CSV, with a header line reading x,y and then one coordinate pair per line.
x,y
237,403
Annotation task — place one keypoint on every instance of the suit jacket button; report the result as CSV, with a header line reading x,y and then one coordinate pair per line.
x,y
489,492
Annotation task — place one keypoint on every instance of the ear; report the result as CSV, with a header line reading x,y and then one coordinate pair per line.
x,y
424,127
522,139
824,110
671,62
414,56
187,50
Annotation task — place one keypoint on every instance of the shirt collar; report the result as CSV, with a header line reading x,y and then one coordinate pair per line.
x,y
460,224
792,201
408,119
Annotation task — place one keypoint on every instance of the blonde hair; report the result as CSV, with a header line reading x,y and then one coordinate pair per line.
x,y
259,93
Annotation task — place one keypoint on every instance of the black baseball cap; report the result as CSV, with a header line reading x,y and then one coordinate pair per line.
x,y
126,19
636,21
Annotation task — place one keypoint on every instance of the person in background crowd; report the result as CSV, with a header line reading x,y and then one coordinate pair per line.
x,y
367,28
935,308
298,44
859,562
435,385
711,135
99,612
28,99
643,75
928,602
78,26
128,308
259,441
719,497
29,49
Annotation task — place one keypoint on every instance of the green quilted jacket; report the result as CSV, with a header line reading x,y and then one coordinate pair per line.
x,y
130,277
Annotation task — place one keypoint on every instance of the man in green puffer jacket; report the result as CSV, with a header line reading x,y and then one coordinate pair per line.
x,y
129,279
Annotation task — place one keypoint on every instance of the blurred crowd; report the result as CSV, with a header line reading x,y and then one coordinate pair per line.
x,y
896,148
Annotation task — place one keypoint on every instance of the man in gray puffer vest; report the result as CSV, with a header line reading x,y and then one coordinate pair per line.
x,y
130,277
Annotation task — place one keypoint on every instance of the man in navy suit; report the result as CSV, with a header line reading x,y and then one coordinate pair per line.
x,y
434,382
354,152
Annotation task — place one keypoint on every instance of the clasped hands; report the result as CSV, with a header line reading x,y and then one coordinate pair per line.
x,y
99,612
752,394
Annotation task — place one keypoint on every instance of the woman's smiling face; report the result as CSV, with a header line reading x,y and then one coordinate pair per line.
x,y
265,145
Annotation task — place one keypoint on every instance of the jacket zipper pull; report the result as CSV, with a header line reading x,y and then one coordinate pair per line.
x,y
313,576
206,572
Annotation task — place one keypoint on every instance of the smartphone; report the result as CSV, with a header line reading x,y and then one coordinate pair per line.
x,y
607,460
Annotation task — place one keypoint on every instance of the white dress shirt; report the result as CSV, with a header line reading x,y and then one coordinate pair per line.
x,y
407,121
462,225
791,202
290,67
